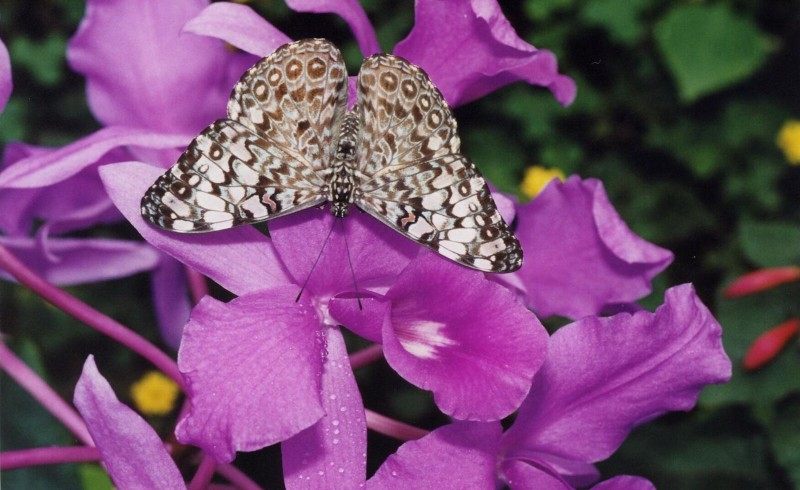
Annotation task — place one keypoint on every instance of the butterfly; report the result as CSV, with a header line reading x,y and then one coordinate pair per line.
x,y
289,143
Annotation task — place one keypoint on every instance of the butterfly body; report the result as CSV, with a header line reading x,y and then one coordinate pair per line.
x,y
289,143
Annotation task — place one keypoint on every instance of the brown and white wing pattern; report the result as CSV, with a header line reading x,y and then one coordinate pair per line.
x,y
270,157
411,176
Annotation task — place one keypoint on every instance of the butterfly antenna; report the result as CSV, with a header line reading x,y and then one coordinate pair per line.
x,y
315,264
350,261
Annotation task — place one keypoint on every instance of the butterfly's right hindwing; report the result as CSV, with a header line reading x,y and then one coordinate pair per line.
x,y
412,177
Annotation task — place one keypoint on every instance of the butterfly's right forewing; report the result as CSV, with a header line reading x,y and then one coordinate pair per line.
x,y
271,157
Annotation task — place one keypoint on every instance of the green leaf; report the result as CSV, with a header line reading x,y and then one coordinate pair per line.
x,y
720,449
44,60
94,477
620,18
771,244
784,432
499,157
708,47
542,9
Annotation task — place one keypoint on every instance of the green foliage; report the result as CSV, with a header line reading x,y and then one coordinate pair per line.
x,y
708,47
770,244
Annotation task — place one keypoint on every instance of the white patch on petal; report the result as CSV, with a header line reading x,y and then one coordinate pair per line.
x,y
423,338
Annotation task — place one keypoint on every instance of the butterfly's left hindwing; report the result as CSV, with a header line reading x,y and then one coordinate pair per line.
x,y
226,177
412,177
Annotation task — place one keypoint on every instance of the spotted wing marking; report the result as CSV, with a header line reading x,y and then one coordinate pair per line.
x,y
270,157
412,177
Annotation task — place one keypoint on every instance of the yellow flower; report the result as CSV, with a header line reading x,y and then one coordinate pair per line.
x,y
789,141
536,178
154,394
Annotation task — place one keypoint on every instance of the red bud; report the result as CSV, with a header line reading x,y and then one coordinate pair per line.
x,y
767,345
761,280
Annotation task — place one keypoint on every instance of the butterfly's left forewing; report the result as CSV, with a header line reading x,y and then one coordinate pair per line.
x,y
411,176
271,157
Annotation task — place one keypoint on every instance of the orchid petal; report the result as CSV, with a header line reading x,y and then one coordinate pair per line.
x,y
462,454
332,452
238,25
378,253
366,321
51,167
478,359
142,72
633,368
586,258
170,299
67,205
259,384
521,475
241,259
352,12
6,84
625,482
482,50
132,452
70,261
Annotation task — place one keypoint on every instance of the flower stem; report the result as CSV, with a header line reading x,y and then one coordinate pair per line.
x,y
12,460
393,428
366,356
235,476
88,315
197,284
204,473
33,384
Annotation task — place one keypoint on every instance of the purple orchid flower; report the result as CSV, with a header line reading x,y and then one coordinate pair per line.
x,y
187,80
279,370
602,378
586,259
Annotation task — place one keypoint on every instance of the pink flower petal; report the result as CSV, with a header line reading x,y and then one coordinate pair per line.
x,y
520,475
367,321
470,49
45,168
6,84
238,25
143,72
252,368
332,452
69,261
583,258
132,452
479,358
625,482
170,299
605,376
352,12
378,253
459,455
240,259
